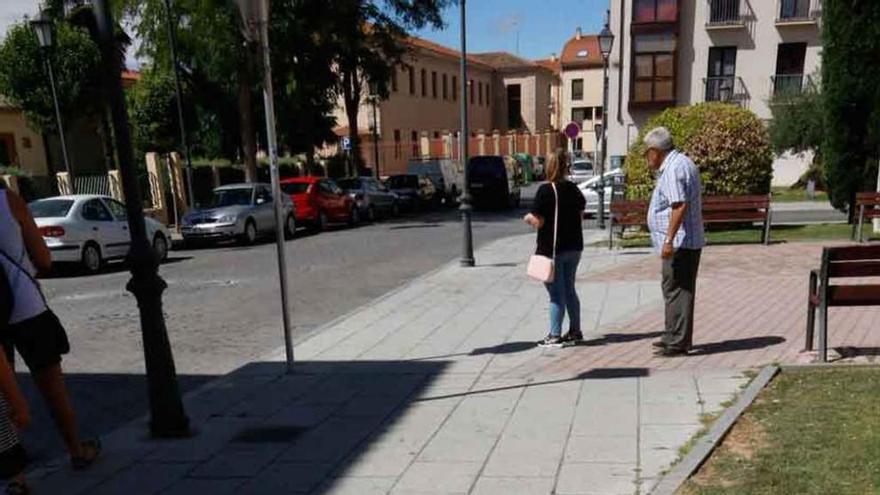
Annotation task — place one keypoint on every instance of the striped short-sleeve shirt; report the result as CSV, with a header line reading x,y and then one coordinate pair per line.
x,y
678,181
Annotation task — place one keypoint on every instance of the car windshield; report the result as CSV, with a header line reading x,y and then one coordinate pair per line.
x,y
51,208
582,166
349,184
403,181
295,187
231,197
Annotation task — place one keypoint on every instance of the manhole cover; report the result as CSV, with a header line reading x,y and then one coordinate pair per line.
x,y
269,434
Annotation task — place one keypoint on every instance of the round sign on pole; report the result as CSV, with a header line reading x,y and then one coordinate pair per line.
x,y
572,130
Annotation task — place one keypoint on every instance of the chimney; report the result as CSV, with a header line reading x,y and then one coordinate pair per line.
x,y
553,57
578,33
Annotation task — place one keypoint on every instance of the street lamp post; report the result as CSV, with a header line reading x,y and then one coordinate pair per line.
x,y
167,415
184,142
467,255
255,19
374,99
606,42
42,25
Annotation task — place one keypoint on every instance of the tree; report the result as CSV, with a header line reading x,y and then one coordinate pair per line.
x,y
153,111
729,144
798,126
851,103
24,80
369,45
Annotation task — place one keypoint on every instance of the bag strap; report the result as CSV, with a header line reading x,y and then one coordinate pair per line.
x,y
18,265
555,218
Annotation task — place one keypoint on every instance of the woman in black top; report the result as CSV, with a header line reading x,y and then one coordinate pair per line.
x,y
569,245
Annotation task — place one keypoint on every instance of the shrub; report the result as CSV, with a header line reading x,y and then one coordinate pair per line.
x,y
730,145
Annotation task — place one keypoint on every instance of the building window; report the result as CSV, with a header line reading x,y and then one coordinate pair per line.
x,y
597,113
434,84
454,88
471,90
577,89
647,11
720,77
653,68
480,93
396,143
514,106
445,87
424,82
412,79
794,10
394,79
415,143
789,78
581,114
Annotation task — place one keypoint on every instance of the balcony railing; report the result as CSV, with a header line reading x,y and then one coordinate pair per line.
x,y
726,13
798,11
789,84
726,89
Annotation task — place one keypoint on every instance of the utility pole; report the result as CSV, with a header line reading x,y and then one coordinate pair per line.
x,y
184,141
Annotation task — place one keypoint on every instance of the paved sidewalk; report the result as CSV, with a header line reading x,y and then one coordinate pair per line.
x,y
438,387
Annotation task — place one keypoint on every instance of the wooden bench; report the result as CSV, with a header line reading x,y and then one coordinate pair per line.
x,y
868,205
716,209
840,262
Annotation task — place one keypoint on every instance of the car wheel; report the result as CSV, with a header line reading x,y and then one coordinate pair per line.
x,y
290,227
322,221
91,260
355,217
250,232
160,247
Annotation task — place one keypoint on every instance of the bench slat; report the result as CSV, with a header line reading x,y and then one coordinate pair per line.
x,y
854,269
733,216
854,253
868,198
854,295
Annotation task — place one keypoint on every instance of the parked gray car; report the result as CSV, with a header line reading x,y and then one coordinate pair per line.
x,y
372,197
238,211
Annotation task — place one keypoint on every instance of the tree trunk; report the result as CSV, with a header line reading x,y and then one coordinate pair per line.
x,y
352,97
107,142
247,125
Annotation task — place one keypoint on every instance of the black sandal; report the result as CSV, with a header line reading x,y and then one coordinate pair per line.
x,y
18,488
91,451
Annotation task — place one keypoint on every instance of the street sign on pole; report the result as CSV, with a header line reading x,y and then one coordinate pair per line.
x,y
346,143
572,130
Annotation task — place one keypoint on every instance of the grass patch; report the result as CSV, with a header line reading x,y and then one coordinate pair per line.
x,y
812,432
790,195
779,233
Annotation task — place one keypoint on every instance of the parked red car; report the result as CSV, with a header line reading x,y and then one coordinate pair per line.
x,y
320,202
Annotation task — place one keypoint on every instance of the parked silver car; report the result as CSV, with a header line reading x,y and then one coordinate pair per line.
x,y
372,197
238,211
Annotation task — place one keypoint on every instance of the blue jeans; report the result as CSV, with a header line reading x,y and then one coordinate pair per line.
x,y
563,294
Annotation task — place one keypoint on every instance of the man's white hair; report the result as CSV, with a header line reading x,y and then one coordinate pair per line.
x,y
658,138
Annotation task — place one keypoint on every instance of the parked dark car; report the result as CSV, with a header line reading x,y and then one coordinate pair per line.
x,y
413,192
371,196
494,181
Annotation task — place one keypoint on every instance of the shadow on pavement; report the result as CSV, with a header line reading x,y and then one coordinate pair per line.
x,y
748,344
620,338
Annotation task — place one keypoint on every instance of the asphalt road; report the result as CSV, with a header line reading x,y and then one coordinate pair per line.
x,y
222,307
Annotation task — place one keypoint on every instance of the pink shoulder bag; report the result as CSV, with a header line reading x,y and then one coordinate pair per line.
x,y
542,268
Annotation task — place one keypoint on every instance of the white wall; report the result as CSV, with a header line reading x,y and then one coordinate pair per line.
x,y
592,98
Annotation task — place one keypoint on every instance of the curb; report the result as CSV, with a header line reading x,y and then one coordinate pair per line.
x,y
670,483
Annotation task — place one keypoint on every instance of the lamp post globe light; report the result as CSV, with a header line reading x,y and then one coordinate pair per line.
x,y
606,42
43,27
255,22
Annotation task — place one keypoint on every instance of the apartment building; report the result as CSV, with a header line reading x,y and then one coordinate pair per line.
x,y
683,52
580,88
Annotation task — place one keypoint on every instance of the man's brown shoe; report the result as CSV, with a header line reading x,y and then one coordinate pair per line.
x,y
671,352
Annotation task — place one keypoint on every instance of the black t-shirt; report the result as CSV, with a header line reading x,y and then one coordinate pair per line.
x,y
571,210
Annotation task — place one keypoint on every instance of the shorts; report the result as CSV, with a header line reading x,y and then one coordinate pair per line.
x,y
41,341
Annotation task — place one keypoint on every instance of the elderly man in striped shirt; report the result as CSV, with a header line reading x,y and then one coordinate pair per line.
x,y
675,219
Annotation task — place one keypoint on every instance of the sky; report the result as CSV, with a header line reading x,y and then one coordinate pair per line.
x,y
542,26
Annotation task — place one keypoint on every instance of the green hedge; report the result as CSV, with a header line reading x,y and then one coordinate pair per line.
x,y
729,144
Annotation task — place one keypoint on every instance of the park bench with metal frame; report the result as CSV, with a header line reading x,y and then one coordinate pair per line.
x,y
840,262
868,205
716,209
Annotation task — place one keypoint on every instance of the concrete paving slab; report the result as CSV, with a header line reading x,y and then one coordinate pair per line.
x,y
438,477
595,479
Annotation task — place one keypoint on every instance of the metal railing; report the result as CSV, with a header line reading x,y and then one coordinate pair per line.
x,y
726,89
726,13
788,84
92,184
797,11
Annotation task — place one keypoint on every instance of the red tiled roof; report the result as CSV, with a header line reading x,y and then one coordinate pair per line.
x,y
444,51
581,53
550,64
